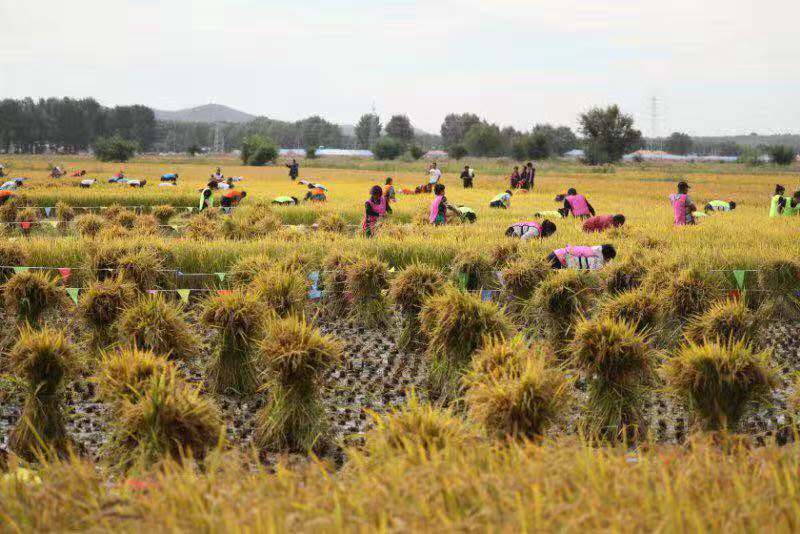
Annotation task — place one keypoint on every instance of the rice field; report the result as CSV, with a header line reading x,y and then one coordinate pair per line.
x,y
276,370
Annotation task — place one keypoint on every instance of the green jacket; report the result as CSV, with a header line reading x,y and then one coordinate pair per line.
x,y
773,205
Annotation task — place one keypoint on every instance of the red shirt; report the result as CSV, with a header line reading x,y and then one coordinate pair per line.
x,y
598,223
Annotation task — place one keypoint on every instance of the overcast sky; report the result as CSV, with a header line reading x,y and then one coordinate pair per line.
x,y
717,66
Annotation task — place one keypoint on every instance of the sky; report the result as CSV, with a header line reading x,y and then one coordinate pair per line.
x,y
717,67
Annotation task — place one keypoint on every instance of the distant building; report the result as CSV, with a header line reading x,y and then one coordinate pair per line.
x,y
435,154
575,154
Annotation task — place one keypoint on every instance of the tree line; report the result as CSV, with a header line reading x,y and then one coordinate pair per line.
x,y
70,125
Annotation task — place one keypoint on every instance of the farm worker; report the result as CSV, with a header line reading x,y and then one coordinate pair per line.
x,y
315,194
585,258
376,207
467,175
437,215
434,174
682,206
792,206
225,185
503,200
232,198
601,223
467,214
699,215
720,205
577,205
206,199
218,175
294,169
2,170
11,185
56,172
531,229
169,177
528,176
76,174
85,184
5,196
388,190
515,178
286,201
560,213
137,183
779,201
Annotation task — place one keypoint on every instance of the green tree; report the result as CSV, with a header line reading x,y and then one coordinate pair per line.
x,y
368,130
457,152
415,152
258,150
399,127
679,143
387,148
609,133
193,150
115,148
560,139
484,139
456,126
782,155
531,146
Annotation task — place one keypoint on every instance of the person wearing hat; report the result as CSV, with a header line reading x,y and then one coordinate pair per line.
x,y
503,200
683,207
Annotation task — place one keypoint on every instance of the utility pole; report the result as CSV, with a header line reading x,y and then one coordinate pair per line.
x,y
373,128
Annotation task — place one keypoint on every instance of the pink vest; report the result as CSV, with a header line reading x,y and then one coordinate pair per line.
x,y
680,210
579,205
379,207
578,252
524,227
437,201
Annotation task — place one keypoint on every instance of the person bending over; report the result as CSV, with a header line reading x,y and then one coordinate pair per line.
x,y
503,200
531,229
601,223
577,205
582,258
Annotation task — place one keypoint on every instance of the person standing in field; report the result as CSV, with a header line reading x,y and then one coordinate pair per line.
x,y
528,177
683,207
375,208
601,223
388,190
467,176
434,175
515,178
294,169
577,205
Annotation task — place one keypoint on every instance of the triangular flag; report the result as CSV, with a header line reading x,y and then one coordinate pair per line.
x,y
65,273
21,269
462,280
25,225
47,212
73,293
54,224
221,276
392,270
740,275
184,294
223,291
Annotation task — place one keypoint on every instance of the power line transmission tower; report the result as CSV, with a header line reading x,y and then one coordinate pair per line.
x,y
219,139
373,129
655,118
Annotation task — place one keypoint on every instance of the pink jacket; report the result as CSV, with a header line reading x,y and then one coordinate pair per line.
x,y
434,212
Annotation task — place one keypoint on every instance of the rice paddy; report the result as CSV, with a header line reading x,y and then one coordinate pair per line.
x,y
276,370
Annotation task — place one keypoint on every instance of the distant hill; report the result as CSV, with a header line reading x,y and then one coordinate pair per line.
x,y
207,113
